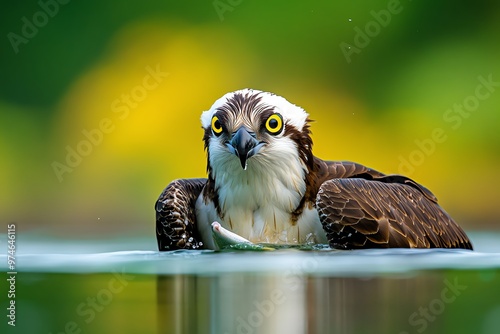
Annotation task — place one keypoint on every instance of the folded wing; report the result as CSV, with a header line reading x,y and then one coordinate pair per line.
x,y
176,216
385,212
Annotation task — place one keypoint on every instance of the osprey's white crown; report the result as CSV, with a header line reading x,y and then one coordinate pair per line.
x,y
291,113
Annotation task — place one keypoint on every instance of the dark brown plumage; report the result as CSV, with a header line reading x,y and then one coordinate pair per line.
x,y
175,215
358,207
362,208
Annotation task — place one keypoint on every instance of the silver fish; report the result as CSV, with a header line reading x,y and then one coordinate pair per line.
x,y
224,238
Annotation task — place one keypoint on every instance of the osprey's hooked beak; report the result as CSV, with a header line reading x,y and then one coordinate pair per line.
x,y
244,145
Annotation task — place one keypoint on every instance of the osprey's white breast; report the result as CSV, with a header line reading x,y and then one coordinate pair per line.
x,y
257,203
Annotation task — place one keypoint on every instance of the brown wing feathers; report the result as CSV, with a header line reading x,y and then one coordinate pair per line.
x,y
370,210
176,217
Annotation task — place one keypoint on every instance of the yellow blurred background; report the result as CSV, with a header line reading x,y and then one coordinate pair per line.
x,y
124,85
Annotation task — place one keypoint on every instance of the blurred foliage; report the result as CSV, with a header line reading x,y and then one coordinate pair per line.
x,y
75,71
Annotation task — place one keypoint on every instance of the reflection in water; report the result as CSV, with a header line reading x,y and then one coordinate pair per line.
x,y
452,301
288,291
290,303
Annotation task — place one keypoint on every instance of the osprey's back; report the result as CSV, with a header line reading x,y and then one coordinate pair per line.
x,y
265,185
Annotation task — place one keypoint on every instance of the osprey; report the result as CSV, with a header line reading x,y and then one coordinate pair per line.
x,y
265,185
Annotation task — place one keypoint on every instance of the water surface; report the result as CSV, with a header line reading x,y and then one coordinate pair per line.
x,y
126,286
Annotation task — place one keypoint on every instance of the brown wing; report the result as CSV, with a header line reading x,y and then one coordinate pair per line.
x,y
176,216
327,170
370,210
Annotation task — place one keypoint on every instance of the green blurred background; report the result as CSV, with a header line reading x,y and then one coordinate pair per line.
x,y
65,72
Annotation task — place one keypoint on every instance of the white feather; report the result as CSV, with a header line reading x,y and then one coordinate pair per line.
x,y
295,115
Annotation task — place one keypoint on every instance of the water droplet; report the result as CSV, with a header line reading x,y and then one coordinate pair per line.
x,y
350,20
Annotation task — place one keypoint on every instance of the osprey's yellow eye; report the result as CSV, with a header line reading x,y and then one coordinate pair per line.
x,y
216,126
274,124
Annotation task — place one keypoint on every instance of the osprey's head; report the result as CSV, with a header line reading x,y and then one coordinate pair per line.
x,y
250,129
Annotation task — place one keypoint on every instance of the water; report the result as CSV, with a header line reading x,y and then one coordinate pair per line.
x,y
101,287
